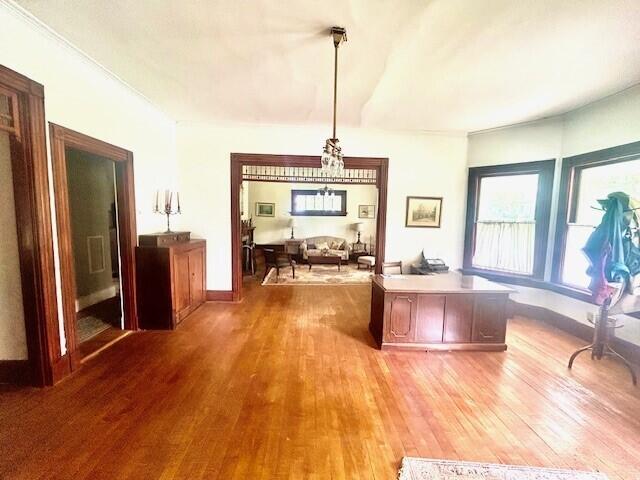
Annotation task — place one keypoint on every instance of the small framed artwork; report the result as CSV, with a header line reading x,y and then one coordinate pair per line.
x,y
265,209
424,212
366,211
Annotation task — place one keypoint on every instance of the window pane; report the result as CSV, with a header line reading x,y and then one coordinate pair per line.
x,y
311,202
574,270
505,246
6,114
505,229
508,198
337,203
598,182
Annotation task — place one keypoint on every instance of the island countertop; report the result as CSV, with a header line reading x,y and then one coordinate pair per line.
x,y
451,282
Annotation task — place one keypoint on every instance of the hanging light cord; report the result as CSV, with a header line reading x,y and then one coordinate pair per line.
x,y
335,87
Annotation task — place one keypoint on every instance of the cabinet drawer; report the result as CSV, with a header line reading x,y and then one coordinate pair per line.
x,y
458,318
489,319
430,318
400,315
182,284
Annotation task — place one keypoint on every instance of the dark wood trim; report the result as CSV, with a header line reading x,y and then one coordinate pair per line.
x,y
237,160
63,366
15,372
381,225
219,296
62,138
314,182
545,170
318,213
629,350
15,111
33,221
569,188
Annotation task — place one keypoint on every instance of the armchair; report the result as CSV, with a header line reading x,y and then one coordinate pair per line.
x,y
277,260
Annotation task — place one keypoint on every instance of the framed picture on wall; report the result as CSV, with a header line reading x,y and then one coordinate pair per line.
x,y
366,211
423,212
265,209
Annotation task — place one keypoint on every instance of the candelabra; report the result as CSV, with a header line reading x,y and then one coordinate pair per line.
x,y
168,208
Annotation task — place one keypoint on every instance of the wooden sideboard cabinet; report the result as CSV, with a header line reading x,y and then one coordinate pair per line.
x,y
440,312
170,282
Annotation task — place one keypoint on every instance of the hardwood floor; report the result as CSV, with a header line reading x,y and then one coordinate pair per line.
x,y
287,384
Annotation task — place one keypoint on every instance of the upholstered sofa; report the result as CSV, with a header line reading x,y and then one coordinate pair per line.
x,y
335,246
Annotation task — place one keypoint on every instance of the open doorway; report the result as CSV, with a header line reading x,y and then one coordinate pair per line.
x,y
299,169
93,184
95,247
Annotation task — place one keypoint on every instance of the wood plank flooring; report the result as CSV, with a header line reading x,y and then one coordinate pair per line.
x,y
287,384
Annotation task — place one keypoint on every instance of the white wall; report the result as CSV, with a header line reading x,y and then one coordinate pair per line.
x,y
274,229
527,142
419,164
82,96
607,123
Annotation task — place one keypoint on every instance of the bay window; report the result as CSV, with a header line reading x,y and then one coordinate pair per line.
x,y
508,210
586,179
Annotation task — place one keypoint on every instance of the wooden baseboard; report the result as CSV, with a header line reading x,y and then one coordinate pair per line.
x,y
446,347
66,364
220,296
15,372
627,349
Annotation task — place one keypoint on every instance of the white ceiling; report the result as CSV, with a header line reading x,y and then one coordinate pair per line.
x,y
452,65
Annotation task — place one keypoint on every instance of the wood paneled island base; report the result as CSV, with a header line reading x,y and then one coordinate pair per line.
x,y
438,312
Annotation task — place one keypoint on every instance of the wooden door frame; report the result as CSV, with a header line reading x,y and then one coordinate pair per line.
x,y
60,139
238,160
35,237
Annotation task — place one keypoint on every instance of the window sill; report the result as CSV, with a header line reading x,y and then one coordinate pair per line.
x,y
575,293
528,281
506,277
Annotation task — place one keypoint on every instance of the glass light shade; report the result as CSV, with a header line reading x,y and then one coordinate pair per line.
x,y
331,161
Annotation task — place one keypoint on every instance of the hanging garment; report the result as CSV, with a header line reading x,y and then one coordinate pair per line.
x,y
613,255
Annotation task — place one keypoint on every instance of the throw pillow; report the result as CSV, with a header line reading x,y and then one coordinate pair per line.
x,y
335,245
322,246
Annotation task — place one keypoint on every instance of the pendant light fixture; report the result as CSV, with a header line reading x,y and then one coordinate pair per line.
x,y
332,162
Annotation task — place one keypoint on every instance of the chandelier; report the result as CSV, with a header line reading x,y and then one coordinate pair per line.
x,y
332,162
325,192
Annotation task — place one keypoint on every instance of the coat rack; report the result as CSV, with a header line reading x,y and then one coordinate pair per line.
x,y
604,327
601,345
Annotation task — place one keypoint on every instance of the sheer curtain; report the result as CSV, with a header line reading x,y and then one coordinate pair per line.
x,y
506,246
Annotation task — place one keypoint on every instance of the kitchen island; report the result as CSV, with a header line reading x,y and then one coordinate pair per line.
x,y
447,311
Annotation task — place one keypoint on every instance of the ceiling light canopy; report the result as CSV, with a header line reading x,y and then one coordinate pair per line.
x,y
332,161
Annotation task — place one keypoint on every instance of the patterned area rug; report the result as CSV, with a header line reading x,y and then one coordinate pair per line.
x,y
425,469
320,275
